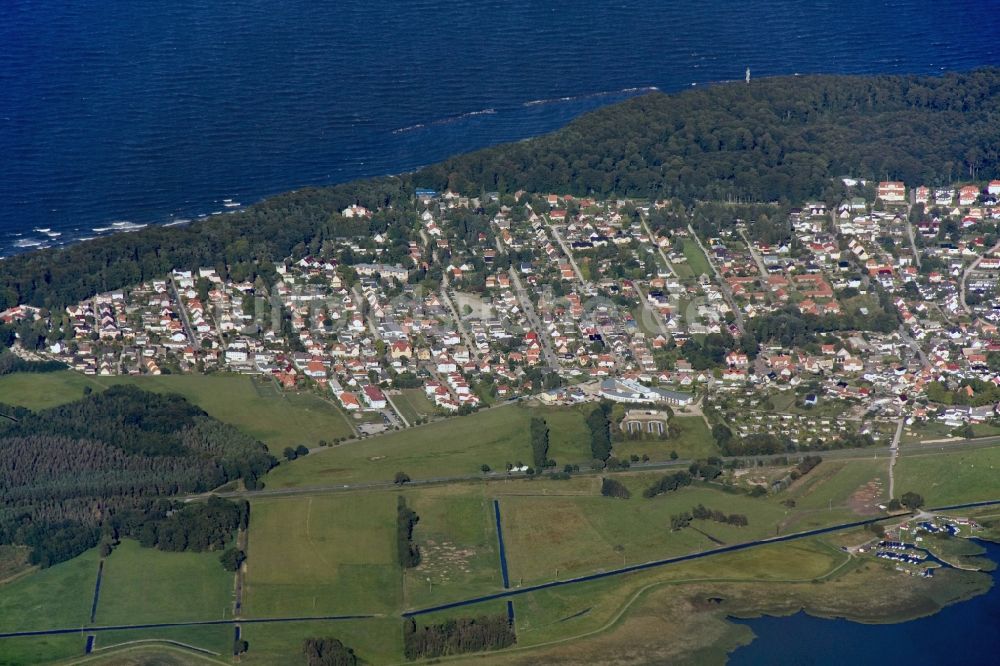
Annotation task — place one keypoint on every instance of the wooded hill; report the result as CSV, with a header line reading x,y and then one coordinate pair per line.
x,y
106,459
783,138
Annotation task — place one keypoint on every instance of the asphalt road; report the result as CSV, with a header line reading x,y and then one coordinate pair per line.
x,y
837,454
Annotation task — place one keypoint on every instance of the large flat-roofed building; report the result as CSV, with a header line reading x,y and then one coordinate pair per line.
x,y
632,392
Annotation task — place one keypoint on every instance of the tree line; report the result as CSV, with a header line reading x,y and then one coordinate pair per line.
x,y
700,512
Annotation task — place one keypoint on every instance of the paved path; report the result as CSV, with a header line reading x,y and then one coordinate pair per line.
x,y
726,292
663,255
536,324
188,331
917,349
913,241
968,271
893,454
761,268
566,251
653,313
459,324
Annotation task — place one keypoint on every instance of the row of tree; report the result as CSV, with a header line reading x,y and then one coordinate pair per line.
x,y
408,552
668,483
457,636
539,431
599,424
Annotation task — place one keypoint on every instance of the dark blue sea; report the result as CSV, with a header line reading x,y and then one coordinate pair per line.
x,y
115,114
967,633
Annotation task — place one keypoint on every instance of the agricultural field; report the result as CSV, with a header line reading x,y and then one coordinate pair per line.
x,y
456,446
950,478
322,555
694,441
260,410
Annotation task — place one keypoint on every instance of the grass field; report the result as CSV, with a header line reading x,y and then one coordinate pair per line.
x,y
40,649
549,536
143,585
459,445
696,259
277,420
694,441
13,562
833,483
331,554
375,641
217,638
59,596
414,404
950,478
569,436
44,389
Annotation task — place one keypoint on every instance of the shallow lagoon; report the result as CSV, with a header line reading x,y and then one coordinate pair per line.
x,y
967,633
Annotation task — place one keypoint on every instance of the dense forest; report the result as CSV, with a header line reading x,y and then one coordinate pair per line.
x,y
109,459
777,139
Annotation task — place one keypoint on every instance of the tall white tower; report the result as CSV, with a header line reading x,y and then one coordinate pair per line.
x,y
748,75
